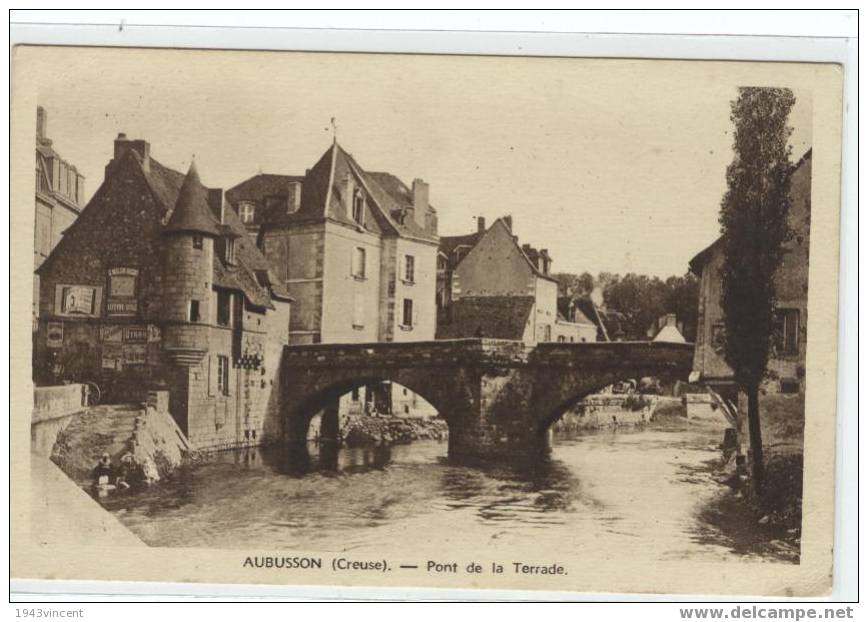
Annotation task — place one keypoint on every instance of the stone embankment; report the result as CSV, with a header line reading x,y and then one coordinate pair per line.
x,y
146,434
358,430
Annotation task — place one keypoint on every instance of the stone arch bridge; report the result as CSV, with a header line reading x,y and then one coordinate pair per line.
x,y
498,397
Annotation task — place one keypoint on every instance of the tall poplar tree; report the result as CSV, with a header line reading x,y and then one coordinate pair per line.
x,y
753,219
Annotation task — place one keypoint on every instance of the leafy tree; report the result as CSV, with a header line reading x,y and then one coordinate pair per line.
x,y
639,298
682,299
575,285
753,219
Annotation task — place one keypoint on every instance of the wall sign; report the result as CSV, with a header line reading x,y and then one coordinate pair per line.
x,y
122,291
77,300
112,356
136,334
135,354
54,334
112,334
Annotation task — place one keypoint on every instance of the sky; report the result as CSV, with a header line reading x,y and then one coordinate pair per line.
x,y
612,165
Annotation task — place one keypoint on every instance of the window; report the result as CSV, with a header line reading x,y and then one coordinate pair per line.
x,y
197,242
548,333
293,201
356,394
441,262
359,207
358,267
224,308
409,268
230,251
222,374
407,319
194,311
787,331
359,311
246,210
561,339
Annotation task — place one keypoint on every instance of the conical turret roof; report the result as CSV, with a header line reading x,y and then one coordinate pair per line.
x,y
191,213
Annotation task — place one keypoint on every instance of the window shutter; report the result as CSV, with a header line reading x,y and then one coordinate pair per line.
x,y
415,314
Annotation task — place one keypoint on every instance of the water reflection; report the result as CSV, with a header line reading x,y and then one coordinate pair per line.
x,y
599,493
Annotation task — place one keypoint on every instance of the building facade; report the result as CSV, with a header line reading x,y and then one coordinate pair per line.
x,y
59,197
158,286
787,361
490,286
356,250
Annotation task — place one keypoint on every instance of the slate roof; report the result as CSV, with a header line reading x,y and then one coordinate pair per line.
x,y
321,197
448,244
271,195
494,317
167,187
191,213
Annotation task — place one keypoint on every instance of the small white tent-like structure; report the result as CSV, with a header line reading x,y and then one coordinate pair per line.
x,y
669,333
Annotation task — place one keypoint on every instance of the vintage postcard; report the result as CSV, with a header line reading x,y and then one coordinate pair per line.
x,y
385,320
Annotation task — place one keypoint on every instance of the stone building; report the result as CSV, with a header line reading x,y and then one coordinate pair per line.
x,y
59,197
787,361
490,286
357,251
157,286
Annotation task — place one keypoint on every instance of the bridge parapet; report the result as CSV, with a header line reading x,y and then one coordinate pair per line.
x,y
649,355
408,354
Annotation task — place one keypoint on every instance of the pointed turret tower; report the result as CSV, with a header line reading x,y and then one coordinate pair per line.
x,y
188,272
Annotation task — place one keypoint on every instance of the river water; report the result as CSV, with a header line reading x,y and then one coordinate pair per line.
x,y
646,492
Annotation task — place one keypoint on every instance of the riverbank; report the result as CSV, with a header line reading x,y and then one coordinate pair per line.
x,y
782,421
143,437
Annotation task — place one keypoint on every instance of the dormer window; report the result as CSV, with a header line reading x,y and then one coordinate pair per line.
x,y
359,207
246,210
230,251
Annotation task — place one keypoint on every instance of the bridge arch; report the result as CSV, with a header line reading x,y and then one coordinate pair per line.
x,y
326,396
497,397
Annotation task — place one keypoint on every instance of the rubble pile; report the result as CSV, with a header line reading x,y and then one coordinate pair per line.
x,y
358,430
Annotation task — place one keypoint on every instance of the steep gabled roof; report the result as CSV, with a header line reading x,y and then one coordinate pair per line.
x,y
191,213
502,223
322,196
494,317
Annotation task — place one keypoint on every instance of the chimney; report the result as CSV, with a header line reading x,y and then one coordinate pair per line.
x,y
508,221
544,258
141,147
480,224
215,202
420,201
41,122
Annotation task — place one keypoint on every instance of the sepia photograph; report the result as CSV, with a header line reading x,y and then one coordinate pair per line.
x,y
420,320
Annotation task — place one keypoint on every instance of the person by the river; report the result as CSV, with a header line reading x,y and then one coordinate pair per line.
x,y
126,471
103,471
